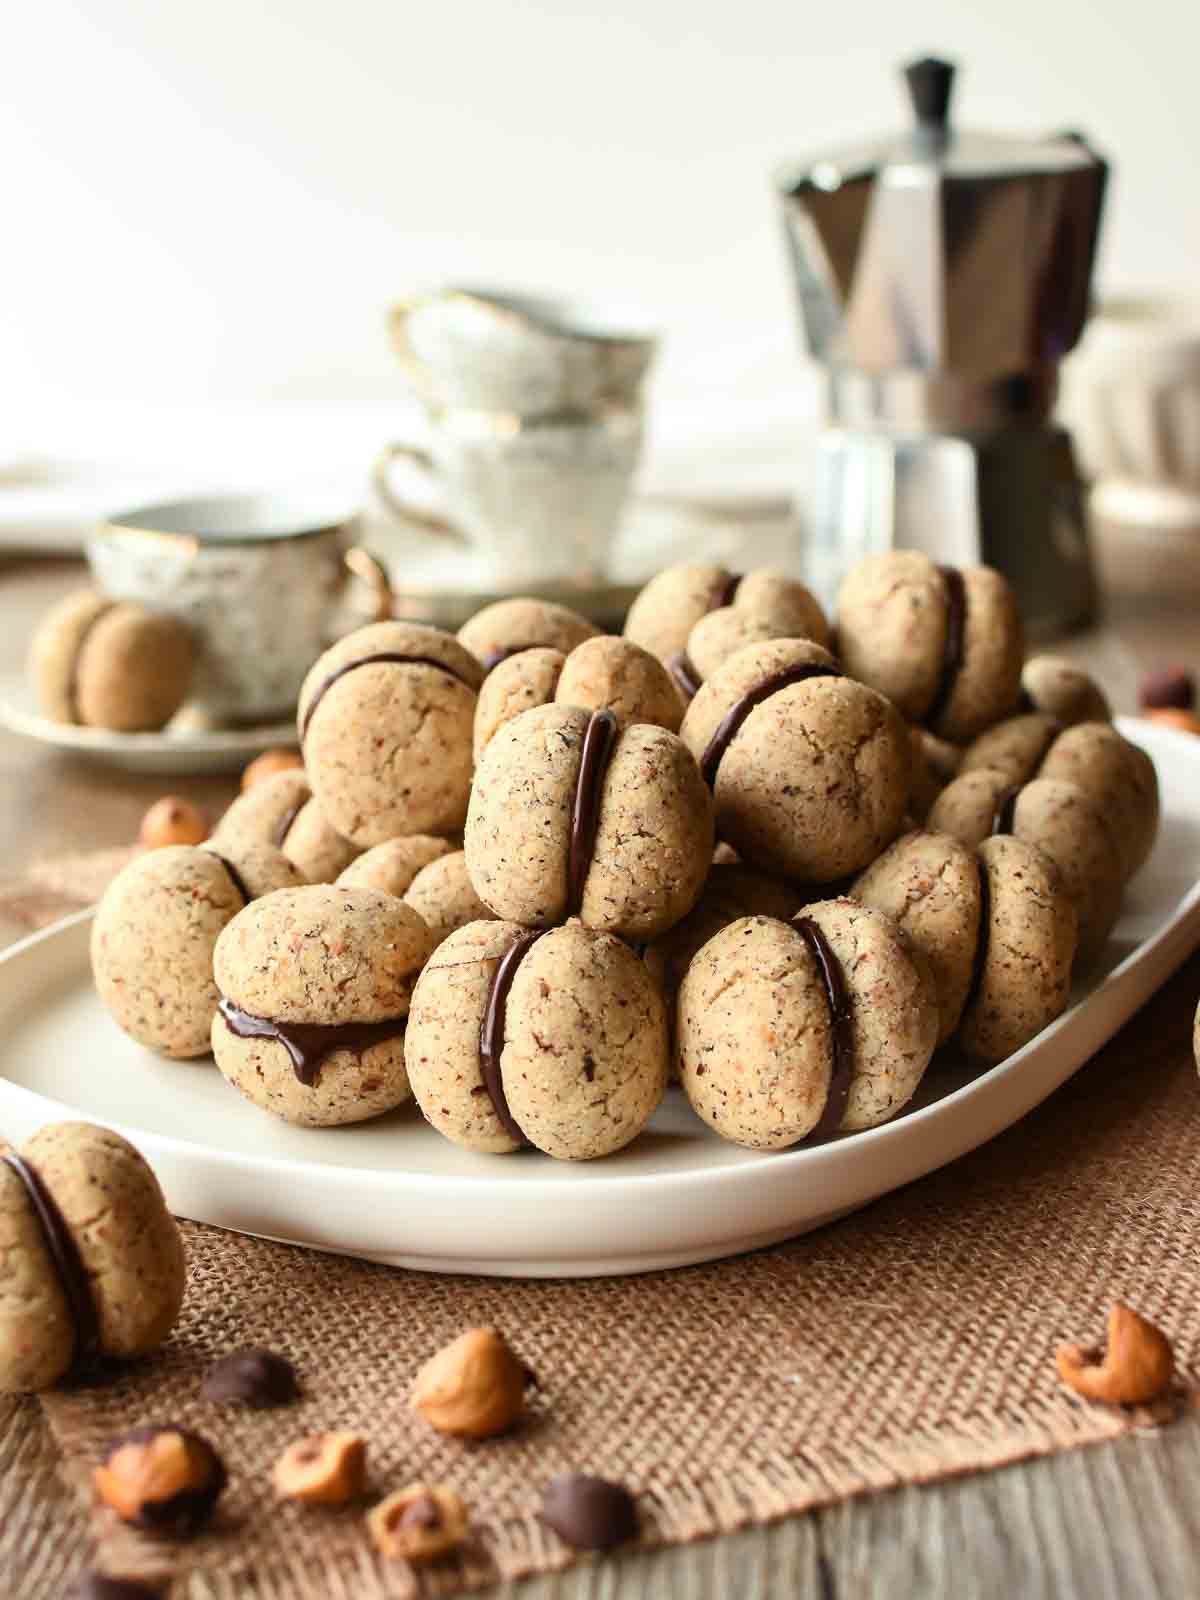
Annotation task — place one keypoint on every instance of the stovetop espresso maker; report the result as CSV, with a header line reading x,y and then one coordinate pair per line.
x,y
942,276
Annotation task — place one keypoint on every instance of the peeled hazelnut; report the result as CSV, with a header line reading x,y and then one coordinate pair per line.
x,y
326,1469
473,1388
1137,1366
166,1479
418,1523
1169,717
268,764
173,820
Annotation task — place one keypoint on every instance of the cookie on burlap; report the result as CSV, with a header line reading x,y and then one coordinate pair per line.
x,y
574,1060
601,674
444,898
928,883
391,867
1117,776
155,930
507,627
315,986
1059,689
110,664
762,1057
643,867
281,811
89,1254
944,645
1060,819
385,720
810,770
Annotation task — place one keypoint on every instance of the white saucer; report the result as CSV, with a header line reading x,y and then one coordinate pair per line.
x,y
393,1191
168,754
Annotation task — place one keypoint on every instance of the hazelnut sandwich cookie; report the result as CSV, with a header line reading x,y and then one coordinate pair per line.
x,y
385,720
314,989
155,930
935,763
1117,776
110,664
281,811
809,769
601,674
391,867
945,645
91,1260
765,605
571,815
555,1039
444,897
995,926
508,627
1059,818
804,1029
1061,690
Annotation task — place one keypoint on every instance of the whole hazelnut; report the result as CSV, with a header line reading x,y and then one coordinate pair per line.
x,y
418,1523
1170,717
173,820
326,1469
268,764
474,1387
165,1478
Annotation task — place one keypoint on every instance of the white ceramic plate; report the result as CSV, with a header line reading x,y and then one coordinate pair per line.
x,y
226,750
394,1191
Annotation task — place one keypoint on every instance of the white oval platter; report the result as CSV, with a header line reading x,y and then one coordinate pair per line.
x,y
392,1190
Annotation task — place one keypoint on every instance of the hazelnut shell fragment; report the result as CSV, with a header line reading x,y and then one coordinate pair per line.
x,y
1137,1366
473,1388
326,1469
166,1479
418,1523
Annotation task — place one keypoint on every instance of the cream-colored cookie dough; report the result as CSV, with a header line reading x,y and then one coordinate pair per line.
x,y
128,1244
391,867
281,811
507,627
653,841
935,763
1060,689
583,1061
444,898
755,1034
154,934
515,684
387,744
815,782
664,613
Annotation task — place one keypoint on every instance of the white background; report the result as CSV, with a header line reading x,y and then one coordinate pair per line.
x,y
208,205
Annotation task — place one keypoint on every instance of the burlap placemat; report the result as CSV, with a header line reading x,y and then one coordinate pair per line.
x,y
908,1343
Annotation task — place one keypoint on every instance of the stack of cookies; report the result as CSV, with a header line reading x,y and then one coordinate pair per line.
x,y
530,874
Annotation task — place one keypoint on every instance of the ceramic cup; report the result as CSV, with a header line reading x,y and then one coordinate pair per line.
x,y
535,427
266,586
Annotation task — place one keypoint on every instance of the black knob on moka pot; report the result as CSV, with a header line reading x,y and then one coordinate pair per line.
x,y
930,85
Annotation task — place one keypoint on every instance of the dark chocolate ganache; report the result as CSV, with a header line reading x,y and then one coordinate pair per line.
x,y
235,877
395,657
286,821
491,1030
64,1253
982,938
727,729
684,673
309,1043
841,1024
952,649
1006,809
599,739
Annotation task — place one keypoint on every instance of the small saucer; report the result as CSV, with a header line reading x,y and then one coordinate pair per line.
x,y
187,751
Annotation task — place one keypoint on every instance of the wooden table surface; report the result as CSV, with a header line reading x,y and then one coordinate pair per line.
x,y
1119,1521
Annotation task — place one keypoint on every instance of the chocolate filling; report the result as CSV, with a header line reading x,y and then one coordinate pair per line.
x,y
308,1043
397,657
73,680
729,590
952,650
491,1030
598,742
684,673
504,651
981,943
1006,809
841,1024
64,1253
285,823
727,729
235,877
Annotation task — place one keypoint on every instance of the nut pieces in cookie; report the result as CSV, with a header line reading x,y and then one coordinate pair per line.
x,y
163,1478
474,1387
1136,1367
419,1523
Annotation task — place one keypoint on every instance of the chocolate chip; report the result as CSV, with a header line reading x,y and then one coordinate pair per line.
x,y
1168,688
100,1586
257,1378
589,1513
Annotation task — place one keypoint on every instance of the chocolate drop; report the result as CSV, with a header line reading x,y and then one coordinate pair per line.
x,y
599,740
727,729
308,1043
952,650
64,1253
396,657
252,1377
684,673
491,1030
841,1024
589,1513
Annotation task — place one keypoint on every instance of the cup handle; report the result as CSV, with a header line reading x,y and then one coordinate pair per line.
x,y
401,508
360,563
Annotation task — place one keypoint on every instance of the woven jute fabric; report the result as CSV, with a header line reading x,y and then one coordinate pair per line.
x,y
910,1342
